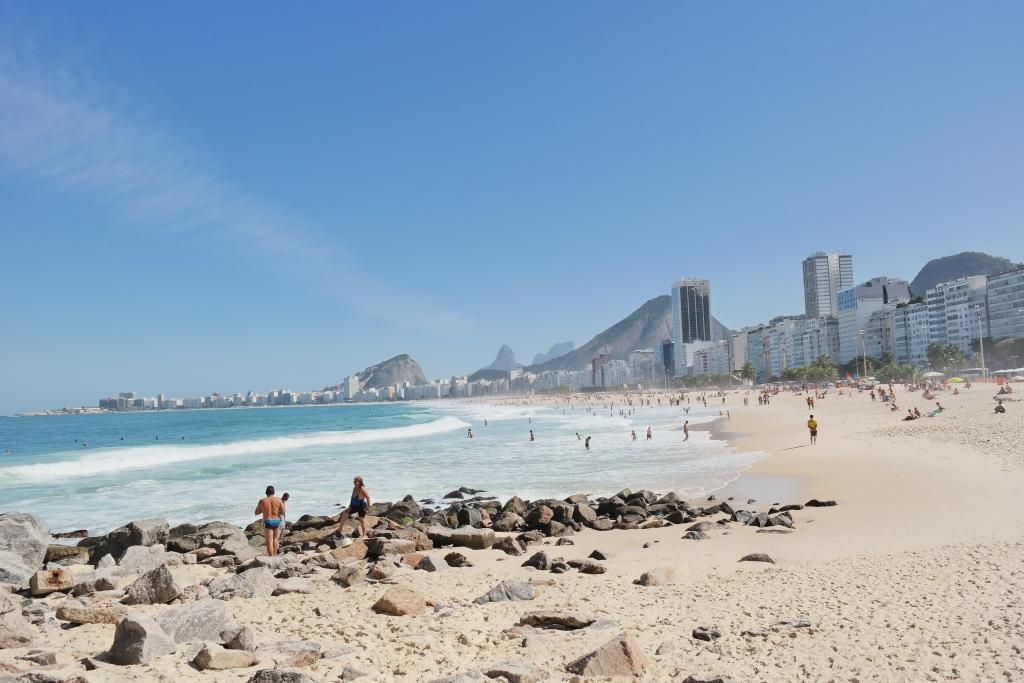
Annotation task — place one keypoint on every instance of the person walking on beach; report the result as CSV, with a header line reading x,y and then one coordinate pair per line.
x,y
469,433
812,425
632,435
531,435
650,435
358,505
686,431
586,444
272,510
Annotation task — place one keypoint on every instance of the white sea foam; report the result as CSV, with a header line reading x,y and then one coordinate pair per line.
x,y
121,459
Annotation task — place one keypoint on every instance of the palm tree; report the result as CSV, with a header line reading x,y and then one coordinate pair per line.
x,y
748,372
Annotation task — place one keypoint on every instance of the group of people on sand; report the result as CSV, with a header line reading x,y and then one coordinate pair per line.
x,y
273,511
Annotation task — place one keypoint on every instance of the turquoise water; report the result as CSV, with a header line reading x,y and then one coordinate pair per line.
x,y
99,471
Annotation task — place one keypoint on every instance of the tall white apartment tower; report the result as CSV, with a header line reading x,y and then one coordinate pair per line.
x,y
825,273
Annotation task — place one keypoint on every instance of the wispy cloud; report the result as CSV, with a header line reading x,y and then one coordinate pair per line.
x,y
61,127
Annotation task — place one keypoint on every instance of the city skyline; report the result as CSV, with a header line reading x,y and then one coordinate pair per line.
x,y
876,318
490,179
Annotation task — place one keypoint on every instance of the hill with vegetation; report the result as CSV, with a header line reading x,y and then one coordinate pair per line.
x,y
392,372
644,328
964,264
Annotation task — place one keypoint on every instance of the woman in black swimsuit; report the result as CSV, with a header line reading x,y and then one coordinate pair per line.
x,y
358,506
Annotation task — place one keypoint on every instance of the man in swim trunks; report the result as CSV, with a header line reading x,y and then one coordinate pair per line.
x,y
272,509
812,426
358,505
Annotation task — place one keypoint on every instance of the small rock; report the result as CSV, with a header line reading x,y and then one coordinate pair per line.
x,y
591,567
562,621
243,638
155,587
50,580
349,575
757,557
40,657
351,673
661,576
707,679
294,653
706,634
380,571
457,559
510,546
666,648
215,657
565,541
539,560
696,536
815,503
508,590
76,612
600,555
293,585
93,586
432,563
792,623
620,656
138,639
516,672
400,601
280,676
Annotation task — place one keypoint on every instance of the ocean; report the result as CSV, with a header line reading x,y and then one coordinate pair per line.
x,y
99,471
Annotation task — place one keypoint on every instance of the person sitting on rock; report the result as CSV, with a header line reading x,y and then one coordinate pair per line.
x,y
1000,408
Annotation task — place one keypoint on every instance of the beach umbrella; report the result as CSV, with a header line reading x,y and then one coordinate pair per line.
x,y
933,374
954,379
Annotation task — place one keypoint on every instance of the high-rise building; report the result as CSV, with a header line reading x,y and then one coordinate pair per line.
x,y
668,357
911,330
691,319
350,387
1006,304
856,305
955,311
825,274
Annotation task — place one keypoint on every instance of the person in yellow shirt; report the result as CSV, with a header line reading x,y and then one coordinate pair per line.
x,y
812,425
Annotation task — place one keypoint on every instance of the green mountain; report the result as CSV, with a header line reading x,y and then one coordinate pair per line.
x,y
392,372
964,264
644,328
488,373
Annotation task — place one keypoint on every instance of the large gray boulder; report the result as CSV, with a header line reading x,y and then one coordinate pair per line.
x,y
155,587
205,620
144,532
468,537
255,583
139,559
23,542
139,639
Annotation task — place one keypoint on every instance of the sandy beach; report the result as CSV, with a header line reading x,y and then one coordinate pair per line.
x,y
915,575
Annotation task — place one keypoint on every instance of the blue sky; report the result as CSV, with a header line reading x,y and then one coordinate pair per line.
x,y
199,198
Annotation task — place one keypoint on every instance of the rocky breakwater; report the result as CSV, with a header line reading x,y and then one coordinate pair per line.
x,y
162,593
